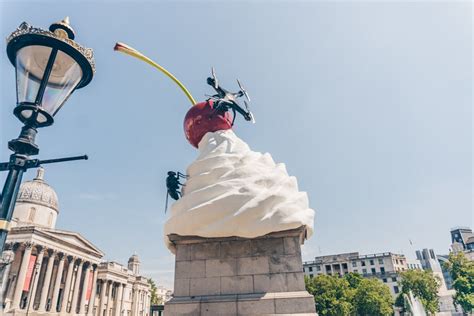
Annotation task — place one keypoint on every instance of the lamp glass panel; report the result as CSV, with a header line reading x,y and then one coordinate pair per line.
x,y
65,76
30,65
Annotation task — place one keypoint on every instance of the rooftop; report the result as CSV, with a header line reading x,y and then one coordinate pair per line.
x,y
351,256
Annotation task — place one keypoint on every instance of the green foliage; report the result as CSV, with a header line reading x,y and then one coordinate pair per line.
x,y
462,272
424,285
349,295
154,299
354,279
332,295
372,297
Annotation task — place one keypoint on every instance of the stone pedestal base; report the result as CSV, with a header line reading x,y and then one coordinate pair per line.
x,y
238,276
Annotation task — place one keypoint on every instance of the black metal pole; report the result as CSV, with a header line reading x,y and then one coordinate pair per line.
x,y
43,162
9,193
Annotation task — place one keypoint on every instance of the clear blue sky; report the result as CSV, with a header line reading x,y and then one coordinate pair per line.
x,y
368,104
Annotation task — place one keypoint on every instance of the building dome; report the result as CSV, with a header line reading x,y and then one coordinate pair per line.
x,y
134,264
37,191
37,203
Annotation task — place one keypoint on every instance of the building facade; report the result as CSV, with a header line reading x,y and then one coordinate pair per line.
x,y
462,239
164,293
383,266
429,261
57,272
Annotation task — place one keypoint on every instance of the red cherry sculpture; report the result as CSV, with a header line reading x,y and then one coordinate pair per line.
x,y
201,119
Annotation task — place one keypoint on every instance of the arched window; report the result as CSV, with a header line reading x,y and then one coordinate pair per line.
x,y
32,214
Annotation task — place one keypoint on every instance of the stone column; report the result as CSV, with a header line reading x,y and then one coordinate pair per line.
x,y
37,269
75,293
109,298
22,275
67,287
103,290
9,257
118,299
137,301
90,309
57,283
134,301
82,302
46,283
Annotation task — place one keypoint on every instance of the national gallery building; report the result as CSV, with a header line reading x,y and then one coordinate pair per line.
x,y
58,272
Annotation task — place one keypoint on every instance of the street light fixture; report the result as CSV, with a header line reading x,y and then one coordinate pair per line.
x,y
50,66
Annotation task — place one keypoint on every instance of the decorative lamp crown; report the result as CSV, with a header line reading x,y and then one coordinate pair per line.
x,y
50,65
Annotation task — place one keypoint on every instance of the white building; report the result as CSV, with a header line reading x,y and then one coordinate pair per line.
x,y
384,266
164,293
58,272
414,264
429,261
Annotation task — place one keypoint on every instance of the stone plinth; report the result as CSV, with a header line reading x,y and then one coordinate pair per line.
x,y
238,276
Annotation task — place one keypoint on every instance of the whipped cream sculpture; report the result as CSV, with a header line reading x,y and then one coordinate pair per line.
x,y
234,191
230,189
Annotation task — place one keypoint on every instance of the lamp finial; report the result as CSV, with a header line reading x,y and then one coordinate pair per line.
x,y
63,29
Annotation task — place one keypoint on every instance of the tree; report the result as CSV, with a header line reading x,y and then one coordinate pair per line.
x,y
155,299
349,295
332,295
462,272
354,279
372,297
424,285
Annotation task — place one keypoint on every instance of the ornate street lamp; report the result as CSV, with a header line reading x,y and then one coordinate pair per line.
x,y
50,66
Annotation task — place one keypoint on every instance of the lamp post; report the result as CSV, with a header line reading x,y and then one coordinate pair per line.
x,y
50,66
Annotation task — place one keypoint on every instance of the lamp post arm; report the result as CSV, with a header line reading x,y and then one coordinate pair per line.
x,y
46,161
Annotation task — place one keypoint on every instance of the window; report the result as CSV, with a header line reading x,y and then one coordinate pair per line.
x,y
50,219
371,262
310,269
396,260
364,271
382,270
355,271
395,289
394,279
32,214
354,263
362,263
373,270
318,268
380,261
310,276
384,280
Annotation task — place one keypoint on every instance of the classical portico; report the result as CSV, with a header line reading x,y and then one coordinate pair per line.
x,y
58,272
47,279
